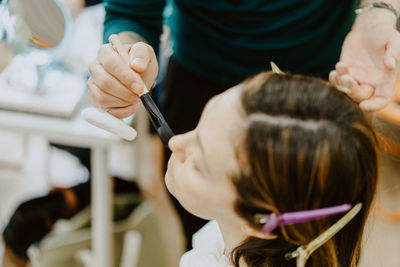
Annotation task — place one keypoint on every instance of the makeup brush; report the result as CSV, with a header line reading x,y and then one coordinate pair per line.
x,y
119,127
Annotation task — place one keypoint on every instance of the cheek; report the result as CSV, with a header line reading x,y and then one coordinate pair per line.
x,y
179,180
201,196
188,188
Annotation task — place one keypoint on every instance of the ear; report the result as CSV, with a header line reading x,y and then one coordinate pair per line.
x,y
250,231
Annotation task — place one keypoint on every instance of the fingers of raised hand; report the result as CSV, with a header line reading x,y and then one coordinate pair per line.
x,y
110,84
344,83
123,112
113,64
333,77
141,54
342,68
392,55
100,98
342,76
375,103
144,61
382,96
357,92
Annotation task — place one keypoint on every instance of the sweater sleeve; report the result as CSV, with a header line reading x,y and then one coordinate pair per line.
x,y
92,2
144,17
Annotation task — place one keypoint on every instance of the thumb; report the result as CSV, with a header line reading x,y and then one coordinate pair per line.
x,y
392,55
139,56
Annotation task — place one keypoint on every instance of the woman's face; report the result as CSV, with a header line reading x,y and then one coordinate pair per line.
x,y
203,160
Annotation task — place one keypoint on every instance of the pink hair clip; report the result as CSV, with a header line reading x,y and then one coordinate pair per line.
x,y
273,220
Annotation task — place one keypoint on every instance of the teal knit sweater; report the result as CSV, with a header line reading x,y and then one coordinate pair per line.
x,y
226,42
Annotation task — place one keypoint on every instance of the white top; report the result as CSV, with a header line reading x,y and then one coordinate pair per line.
x,y
208,249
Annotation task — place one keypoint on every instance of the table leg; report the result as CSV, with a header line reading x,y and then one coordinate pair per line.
x,y
102,242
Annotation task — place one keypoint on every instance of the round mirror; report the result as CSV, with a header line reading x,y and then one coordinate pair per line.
x,y
35,24
38,33
44,21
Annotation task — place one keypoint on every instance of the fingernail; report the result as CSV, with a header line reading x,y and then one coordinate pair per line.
x,y
343,89
137,87
137,61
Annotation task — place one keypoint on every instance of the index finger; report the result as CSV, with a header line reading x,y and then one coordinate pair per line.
x,y
112,63
374,104
380,99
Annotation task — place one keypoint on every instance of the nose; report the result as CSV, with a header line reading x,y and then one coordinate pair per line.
x,y
179,145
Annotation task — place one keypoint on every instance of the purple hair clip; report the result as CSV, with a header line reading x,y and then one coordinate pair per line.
x,y
273,220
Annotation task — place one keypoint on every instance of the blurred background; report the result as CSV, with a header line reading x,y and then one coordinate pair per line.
x,y
69,191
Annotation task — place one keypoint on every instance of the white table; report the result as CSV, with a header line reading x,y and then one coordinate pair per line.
x,y
77,132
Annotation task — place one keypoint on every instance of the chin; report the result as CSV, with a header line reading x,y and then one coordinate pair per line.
x,y
193,207
199,214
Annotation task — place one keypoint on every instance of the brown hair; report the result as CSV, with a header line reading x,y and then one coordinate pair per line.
x,y
306,146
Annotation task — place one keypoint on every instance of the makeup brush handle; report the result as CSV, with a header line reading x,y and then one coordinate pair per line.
x,y
119,48
104,120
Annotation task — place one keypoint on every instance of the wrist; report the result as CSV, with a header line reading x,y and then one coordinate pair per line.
x,y
128,37
374,17
395,4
